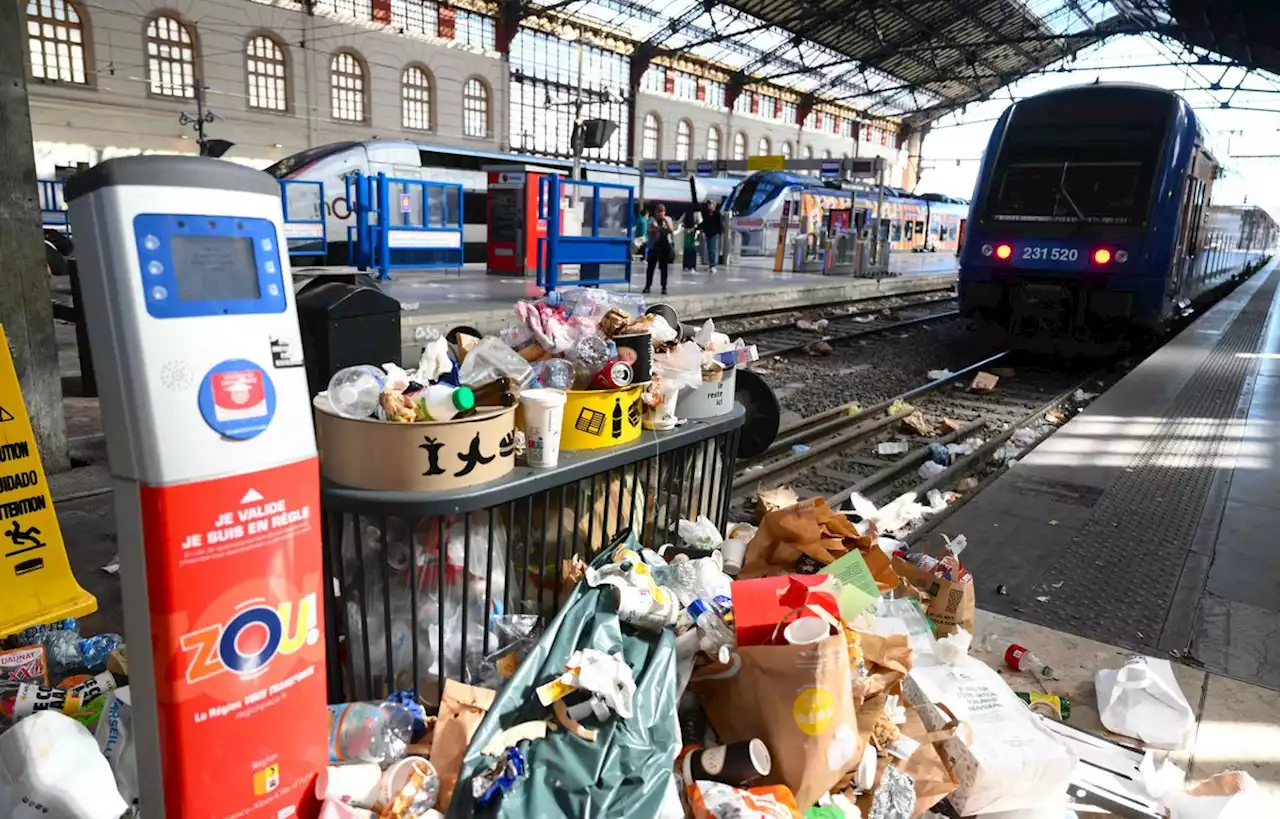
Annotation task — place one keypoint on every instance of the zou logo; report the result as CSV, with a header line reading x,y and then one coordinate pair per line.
x,y
247,643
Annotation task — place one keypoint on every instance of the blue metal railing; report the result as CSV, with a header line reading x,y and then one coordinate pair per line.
x,y
404,223
303,204
607,226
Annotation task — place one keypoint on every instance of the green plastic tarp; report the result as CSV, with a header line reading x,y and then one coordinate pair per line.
x,y
628,772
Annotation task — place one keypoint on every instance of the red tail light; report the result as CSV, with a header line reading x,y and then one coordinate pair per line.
x,y
1003,252
1102,256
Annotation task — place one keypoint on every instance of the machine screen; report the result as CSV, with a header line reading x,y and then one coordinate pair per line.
x,y
209,268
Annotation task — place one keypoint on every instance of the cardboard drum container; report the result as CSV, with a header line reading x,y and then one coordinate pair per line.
x,y
422,457
709,399
594,419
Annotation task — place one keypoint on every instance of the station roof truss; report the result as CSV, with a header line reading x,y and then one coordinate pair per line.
x,y
911,60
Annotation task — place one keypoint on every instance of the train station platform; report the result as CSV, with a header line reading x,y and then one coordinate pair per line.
x,y
1150,520
472,297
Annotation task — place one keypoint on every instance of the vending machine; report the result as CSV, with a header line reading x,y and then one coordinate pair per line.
x,y
190,310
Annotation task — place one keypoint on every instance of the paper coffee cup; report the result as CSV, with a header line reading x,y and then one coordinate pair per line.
x,y
737,764
663,416
543,422
806,631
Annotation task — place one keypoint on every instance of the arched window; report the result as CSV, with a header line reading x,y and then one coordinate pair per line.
x,y
171,58
415,98
739,146
713,142
55,37
475,108
826,153
808,152
786,150
651,137
346,86
684,140
763,147
268,73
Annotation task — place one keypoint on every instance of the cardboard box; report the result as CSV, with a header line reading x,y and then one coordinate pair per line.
x,y
983,382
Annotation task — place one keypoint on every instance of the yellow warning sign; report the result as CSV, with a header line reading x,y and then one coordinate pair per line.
x,y
36,584
772,162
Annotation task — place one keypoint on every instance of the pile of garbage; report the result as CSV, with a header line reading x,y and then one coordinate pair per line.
x,y
574,339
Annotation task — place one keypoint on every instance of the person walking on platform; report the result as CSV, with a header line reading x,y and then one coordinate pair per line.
x,y
712,228
641,231
689,240
659,249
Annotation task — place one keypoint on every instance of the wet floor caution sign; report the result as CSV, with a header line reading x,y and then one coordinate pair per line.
x,y
36,583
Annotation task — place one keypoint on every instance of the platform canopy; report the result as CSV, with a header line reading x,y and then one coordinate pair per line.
x,y
916,60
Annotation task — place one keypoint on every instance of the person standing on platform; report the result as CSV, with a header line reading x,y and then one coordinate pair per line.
x,y
660,250
689,241
712,228
641,231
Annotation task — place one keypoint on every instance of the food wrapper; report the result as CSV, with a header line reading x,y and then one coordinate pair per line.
x,y
715,800
24,665
399,408
640,324
895,796
614,323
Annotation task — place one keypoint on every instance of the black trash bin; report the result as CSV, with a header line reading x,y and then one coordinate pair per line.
x,y
344,324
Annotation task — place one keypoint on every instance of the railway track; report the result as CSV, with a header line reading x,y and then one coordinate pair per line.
x,y
776,332
837,452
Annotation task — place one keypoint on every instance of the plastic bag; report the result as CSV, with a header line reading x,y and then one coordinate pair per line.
x,y
1228,795
1142,699
435,359
490,360
699,534
51,761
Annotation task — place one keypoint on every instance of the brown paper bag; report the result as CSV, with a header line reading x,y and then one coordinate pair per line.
x,y
888,660
462,709
799,701
810,529
951,604
929,766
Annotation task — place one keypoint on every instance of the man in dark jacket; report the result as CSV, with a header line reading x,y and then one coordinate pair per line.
x,y
712,228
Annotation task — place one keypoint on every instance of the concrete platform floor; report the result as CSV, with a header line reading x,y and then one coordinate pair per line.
x,y
1149,520
472,297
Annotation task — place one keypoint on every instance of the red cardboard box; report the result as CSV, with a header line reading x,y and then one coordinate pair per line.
x,y
760,604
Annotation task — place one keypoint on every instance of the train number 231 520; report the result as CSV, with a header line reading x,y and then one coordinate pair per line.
x,y
1053,254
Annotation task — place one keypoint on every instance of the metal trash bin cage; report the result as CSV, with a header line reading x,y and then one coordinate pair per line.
x,y
394,620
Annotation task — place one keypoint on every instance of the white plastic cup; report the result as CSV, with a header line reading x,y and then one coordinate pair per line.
x,y
663,416
543,422
732,553
353,784
806,631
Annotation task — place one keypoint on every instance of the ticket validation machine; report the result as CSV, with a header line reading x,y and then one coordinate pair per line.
x,y
190,308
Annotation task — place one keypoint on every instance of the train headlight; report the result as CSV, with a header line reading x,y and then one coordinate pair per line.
x,y
1122,256
1102,256
987,250
1004,252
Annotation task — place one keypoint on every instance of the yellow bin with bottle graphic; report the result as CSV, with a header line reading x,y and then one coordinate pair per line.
x,y
595,419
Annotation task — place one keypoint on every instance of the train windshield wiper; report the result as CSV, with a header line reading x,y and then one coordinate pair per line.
x,y
1062,191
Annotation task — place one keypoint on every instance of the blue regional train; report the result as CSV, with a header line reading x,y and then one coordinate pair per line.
x,y
1091,225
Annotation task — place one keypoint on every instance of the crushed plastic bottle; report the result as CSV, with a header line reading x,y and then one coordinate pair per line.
x,y
554,373
713,634
353,391
492,359
375,732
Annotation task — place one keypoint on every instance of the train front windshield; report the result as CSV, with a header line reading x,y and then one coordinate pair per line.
x,y
752,193
296,162
1061,166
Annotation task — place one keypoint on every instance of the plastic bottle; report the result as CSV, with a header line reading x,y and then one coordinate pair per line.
x,y
554,373
1016,657
375,732
440,402
712,630
490,360
353,391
